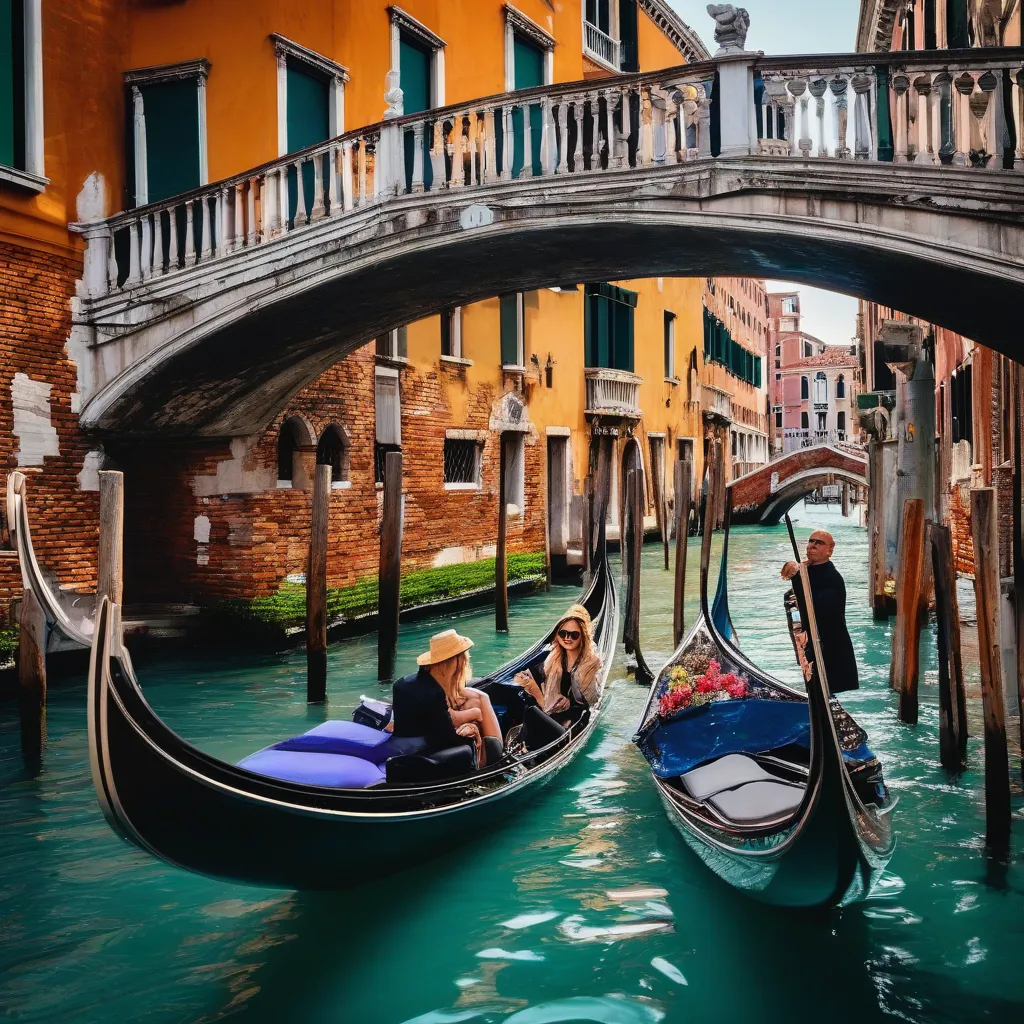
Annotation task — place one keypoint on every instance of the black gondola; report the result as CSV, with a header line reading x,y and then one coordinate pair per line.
x,y
221,820
775,790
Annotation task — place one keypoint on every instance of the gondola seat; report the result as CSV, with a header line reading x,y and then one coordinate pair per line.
x,y
354,740
437,766
335,771
741,791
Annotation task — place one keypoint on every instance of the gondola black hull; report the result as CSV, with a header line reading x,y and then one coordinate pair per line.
x,y
208,816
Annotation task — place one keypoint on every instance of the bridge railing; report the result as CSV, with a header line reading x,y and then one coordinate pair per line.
x,y
963,108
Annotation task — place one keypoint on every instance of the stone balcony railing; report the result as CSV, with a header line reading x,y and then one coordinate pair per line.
x,y
947,108
716,402
613,393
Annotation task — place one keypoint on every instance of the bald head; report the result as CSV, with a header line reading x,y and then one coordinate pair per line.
x,y
820,547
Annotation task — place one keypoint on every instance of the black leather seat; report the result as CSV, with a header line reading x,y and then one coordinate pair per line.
x,y
450,763
540,729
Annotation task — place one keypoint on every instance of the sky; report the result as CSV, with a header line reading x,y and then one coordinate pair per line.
x,y
796,26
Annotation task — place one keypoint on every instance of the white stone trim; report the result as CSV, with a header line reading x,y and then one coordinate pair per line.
x,y
516,21
462,434
35,137
336,74
558,432
402,20
327,67
139,142
461,487
161,73
682,37
23,179
656,435
204,161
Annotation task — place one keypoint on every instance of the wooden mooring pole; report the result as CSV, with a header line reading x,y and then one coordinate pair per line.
x,y
110,556
501,556
32,679
876,533
316,588
952,699
684,497
907,634
1017,378
986,588
660,511
390,568
631,618
587,525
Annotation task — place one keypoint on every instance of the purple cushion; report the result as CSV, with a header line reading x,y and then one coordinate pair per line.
x,y
354,740
336,771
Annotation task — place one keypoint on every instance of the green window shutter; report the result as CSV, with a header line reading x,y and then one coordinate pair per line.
x,y
509,330
757,371
172,137
414,74
12,92
528,73
529,63
623,336
308,109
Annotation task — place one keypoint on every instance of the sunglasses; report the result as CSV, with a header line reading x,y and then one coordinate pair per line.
x,y
569,634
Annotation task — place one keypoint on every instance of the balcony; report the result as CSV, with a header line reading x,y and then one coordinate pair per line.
x,y
599,45
717,404
613,393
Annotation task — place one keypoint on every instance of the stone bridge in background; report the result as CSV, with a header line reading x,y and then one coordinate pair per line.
x,y
895,177
766,495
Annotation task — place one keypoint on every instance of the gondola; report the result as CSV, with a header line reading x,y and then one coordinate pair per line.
x,y
232,823
774,789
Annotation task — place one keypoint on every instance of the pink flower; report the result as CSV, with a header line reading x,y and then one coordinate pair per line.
x,y
737,689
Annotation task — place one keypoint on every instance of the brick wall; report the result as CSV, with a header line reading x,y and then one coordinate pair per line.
x,y
35,320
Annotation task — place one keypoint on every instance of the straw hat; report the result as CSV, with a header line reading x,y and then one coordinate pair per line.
x,y
444,646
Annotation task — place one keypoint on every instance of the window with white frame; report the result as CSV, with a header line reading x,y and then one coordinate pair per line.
x,y
167,149
841,386
417,62
462,460
515,470
21,94
394,345
529,52
820,389
670,345
451,333
789,304
513,331
333,450
601,31
388,414
310,96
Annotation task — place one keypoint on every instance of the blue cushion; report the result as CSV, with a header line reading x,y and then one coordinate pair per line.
x,y
336,771
354,740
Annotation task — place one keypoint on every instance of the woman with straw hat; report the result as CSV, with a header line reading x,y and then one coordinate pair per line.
x,y
437,705
572,670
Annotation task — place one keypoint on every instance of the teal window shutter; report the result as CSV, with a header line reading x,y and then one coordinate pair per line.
x,y
528,73
623,339
414,75
171,110
757,371
12,85
510,330
308,120
529,63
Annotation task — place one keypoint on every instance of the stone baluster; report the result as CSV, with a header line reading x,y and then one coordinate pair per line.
x,y
612,160
703,123
547,138
490,146
319,209
627,125
942,117
437,162
796,87
924,154
281,185
839,87
817,88
207,221
659,141
147,246
562,119
239,239
508,144
250,212
362,172
479,148
301,217
527,169
134,268
767,127
113,270
417,156
190,235
901,126
984,108
172,239
158,243
675,131
456,150
1017,92
645,147
223,216
963,87
863,144
375,166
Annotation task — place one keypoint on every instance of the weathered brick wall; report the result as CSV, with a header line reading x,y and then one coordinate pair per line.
x,y
256,539
35,319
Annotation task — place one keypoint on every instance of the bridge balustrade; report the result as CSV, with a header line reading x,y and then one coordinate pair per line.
x,y
937,109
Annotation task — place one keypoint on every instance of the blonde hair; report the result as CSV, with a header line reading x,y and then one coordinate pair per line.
x,y
586,667
454,682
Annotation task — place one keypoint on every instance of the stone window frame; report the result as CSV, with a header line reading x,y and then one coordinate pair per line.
x,y
477,438
670,348
336,74
455,321
516,21
520,366
306,443
402,21
515,470
183,71
31,177
346,451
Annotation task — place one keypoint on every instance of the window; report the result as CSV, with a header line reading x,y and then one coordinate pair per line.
x,y
417,59
513,333
21,93
961,402
451,333
840,386
778,419
804,421
293,442
841,425
167,150
599,31
332,450
461,463
822,424
529,52
388,413
808,350
608,326
394,345
515,469
789,305
670,345
380,453
804,389
820,389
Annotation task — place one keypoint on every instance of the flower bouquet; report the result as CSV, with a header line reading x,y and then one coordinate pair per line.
x,y
713,685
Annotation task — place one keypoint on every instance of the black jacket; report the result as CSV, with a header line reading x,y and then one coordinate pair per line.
x,y
829,592
420,709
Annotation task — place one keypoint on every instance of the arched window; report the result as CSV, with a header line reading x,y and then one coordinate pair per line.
x,y
840,386
820,389
294,436
841,425
332,450
805,392
804,421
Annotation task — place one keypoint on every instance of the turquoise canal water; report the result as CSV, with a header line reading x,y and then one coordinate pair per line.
x,y
587,907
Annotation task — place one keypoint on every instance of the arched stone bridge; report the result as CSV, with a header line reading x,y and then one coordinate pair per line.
x,y
202,315
766,495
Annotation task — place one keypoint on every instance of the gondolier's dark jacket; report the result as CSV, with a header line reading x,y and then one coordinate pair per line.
x,y
420,709
829,593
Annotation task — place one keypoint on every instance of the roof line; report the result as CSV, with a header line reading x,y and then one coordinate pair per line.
x,y
684,38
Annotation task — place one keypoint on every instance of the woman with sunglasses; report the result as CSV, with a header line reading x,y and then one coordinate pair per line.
x,y
571,670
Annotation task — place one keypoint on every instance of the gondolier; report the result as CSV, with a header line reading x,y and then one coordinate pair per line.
x,y
829,592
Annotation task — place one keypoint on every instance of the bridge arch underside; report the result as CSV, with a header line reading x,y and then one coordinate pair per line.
x,y
772,511
224,358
